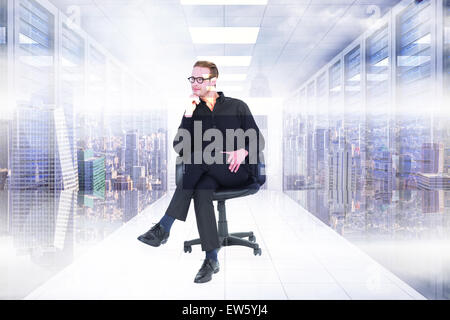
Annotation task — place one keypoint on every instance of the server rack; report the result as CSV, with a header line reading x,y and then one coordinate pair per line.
x,y
96,86
335,85
72,56
3,23
352,63
446,58
3,50
322,100
377,70
131,116
97,66
378,65
415,44
321,90
35,53
96,78
72,67
114,99
414,52
310,98
291,131
300,132
406,60
335,79
302,98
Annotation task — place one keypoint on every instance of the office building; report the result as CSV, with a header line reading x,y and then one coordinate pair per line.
x,y
131,151
40,150
91,171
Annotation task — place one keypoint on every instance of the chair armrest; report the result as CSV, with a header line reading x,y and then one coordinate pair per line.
x,y
261,171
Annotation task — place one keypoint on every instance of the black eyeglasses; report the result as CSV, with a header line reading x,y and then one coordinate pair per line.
x,y
199,79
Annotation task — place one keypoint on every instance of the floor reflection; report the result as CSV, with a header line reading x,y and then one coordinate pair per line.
x,y
42,232
407,231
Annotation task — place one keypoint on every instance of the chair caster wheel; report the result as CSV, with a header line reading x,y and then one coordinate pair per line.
x,y
188,249
252,238
257,251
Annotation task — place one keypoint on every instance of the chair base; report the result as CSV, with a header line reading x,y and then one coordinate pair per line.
x,y
233,239
225,238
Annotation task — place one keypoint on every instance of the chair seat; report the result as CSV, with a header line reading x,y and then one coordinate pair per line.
x,y
251,186
224,193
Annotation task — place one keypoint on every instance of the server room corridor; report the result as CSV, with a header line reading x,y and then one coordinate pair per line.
x,y
351,97
301,259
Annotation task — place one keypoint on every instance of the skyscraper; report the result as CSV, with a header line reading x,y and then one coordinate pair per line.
x,y
91,172
404,165
432,158
72,82
3,178
42,224
122,183
131,151
340,171
3,54
383,173
131,207
4,143
40,150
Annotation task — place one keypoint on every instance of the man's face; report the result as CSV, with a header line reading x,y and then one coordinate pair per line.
x,y
201,89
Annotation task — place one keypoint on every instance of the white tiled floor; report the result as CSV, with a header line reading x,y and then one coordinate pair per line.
x,y
302,258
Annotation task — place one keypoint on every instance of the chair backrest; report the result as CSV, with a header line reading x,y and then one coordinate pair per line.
x,y
259,170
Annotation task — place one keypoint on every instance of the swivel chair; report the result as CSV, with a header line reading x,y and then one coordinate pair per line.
x,y
221,195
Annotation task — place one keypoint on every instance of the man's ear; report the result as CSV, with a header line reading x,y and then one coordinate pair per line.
x,y
212,84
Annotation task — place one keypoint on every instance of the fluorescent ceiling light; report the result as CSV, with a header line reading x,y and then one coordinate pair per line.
x,y
228,61
336,89
412,61
67,63
95,78
424,40
2,35
72,77
356,77
37,61
224,35
382,63
377,77
223,2
232,77
352,88
23,39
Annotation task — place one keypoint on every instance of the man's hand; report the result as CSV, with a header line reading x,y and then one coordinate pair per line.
x,y
235,159
192,103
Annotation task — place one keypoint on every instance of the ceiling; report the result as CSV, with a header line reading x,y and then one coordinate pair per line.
x,y
295,39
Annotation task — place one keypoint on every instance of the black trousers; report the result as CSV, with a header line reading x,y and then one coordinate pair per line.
x,y
199,183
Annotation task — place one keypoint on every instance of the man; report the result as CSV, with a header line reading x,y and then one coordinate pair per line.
x,y
209,112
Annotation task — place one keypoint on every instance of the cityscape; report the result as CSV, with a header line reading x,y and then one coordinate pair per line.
x,y
54,209
364,138
369,154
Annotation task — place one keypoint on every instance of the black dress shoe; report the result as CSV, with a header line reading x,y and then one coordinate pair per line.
x,y
205,273
155,236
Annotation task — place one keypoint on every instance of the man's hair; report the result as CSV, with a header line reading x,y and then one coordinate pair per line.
x,y
213,71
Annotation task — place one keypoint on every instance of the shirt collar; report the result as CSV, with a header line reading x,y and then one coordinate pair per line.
x,y
220,99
